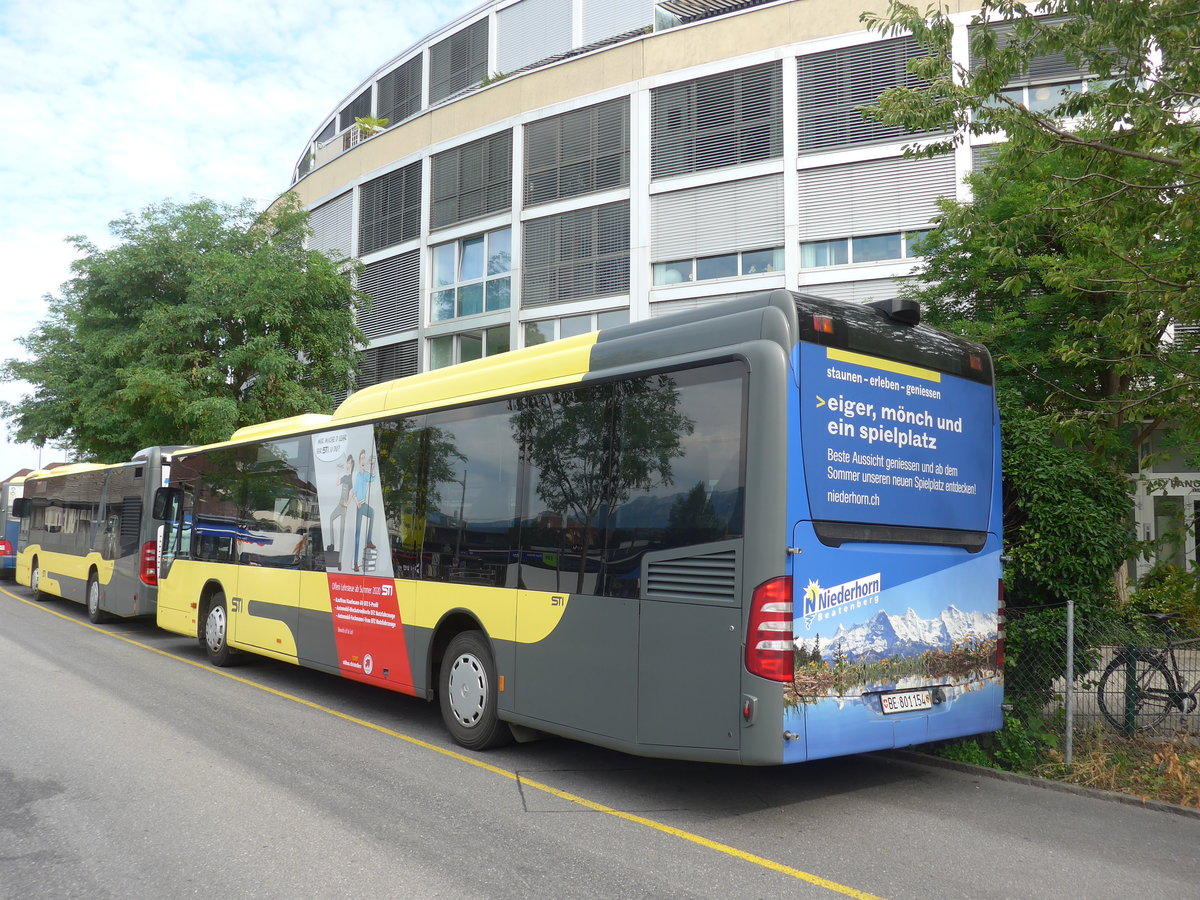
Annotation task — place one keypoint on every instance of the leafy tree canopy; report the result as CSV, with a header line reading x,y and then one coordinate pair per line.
x,y
1078,258
202,318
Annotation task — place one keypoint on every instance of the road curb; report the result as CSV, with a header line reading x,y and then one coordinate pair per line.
x,y
938,762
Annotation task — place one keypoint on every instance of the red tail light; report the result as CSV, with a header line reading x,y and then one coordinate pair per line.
x,y
6,548
149,573
1000,620
770,651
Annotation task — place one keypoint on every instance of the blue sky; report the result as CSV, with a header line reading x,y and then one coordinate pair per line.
x,y
114,106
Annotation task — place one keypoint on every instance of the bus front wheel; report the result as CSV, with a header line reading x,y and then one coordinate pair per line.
x,y
216,633
95,614
467,693
35,583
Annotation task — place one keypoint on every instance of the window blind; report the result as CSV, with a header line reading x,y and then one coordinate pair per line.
x,y
394,286
357,108
875,197
458,61
720,120
387,362
530,31
833,83
578,152
717,218
390,209
400,92
332,226
472,180
577,254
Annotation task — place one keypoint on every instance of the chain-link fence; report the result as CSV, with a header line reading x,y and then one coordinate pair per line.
x,y
1129,678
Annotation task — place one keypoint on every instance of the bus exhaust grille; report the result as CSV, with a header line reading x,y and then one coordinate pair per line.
x,y
707,578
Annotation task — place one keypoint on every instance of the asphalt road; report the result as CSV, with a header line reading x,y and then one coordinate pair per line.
x,y
131,768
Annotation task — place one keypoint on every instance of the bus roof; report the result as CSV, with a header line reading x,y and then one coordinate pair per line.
x,y
303,422
771,315
69,469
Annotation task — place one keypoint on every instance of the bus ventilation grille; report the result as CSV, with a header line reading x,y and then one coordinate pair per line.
x,y
706,579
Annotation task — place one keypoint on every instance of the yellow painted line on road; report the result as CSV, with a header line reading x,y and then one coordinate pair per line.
x,y
679,833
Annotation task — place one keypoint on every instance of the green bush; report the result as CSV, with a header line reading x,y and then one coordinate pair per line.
x,y
1066,523
1169,589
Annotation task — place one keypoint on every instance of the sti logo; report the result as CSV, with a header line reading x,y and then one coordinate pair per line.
x,y
386,590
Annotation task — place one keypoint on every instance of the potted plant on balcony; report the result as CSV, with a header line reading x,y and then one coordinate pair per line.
x,y
370,125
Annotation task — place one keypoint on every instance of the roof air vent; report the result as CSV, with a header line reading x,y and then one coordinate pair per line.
x,y
907,312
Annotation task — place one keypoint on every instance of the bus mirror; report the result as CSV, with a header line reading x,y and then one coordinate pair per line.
x,y
21,507
162,502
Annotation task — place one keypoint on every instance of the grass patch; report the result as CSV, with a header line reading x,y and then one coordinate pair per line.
x,y
1153,770
1150,769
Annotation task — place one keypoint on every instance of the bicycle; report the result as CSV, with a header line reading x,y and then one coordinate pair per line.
x,y
1144,685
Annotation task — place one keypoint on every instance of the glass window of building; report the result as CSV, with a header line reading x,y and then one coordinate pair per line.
x,y
726,265
450,349
546,330
863,249
472,275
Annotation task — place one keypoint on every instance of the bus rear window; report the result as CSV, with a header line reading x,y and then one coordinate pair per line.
x,y
895,451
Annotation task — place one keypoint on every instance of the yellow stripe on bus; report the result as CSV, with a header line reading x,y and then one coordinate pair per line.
x,y
52,563
547,365
884,365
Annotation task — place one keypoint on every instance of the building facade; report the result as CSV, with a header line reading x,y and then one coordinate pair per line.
x,y
553,166
550,167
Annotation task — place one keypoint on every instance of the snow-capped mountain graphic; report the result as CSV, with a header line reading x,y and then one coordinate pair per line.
x,y
885,635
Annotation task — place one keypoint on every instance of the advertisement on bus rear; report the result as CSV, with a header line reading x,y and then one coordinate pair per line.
x,y
896,643
887,443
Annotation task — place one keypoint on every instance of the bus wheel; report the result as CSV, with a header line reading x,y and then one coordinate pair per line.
x,y
95,614
467,693
35,583
216,632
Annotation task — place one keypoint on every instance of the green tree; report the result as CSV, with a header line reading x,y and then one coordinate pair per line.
x,y
202,317
1079,255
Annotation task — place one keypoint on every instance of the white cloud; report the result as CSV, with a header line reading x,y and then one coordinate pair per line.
x,y
114,106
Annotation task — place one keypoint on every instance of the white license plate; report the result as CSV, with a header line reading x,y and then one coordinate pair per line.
x,y
906,701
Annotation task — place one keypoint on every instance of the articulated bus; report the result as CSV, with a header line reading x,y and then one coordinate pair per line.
x,y
761,532
10,524
87,534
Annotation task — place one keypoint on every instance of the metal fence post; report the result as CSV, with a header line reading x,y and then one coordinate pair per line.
x,y
1131,690
1068,750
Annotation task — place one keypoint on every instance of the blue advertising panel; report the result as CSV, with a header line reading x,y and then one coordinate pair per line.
x,y
886,443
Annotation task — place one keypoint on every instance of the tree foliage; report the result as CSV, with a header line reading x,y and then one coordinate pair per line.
x,y
1078,257
202,317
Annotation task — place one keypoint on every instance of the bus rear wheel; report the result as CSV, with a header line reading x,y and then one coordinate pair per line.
x,y
95,614
467,693
215,636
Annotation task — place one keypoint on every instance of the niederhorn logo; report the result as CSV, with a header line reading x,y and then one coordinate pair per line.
x,y
822,602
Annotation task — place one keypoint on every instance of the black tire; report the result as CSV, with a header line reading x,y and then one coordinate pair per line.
x,y
467,693
214,635
1152,694
92,599
35,584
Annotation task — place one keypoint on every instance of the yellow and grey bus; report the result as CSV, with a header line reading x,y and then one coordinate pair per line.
x,y
764,531
86,534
